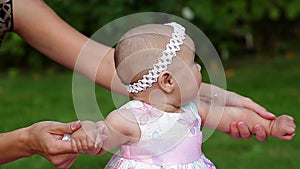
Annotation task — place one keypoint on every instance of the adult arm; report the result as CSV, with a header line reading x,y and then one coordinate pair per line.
x,y
42,138
44,30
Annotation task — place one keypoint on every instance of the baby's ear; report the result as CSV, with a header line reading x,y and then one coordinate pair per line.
x,y
166,82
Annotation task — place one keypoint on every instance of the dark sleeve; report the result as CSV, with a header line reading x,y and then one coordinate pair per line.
x,y
6,17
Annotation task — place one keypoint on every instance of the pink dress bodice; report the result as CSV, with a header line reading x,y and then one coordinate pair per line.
x,y
168,140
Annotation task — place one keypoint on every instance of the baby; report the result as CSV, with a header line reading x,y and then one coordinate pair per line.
x,y
160,127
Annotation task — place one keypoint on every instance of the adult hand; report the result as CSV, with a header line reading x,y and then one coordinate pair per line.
x,y
45,138
241,130
235,100
211,93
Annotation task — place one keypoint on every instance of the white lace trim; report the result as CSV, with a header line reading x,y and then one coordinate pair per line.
x,y
172,47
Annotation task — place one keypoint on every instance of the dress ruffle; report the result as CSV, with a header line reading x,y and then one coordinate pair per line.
x,y
118,162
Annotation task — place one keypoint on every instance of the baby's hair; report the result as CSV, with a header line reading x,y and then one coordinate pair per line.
x,y
139,49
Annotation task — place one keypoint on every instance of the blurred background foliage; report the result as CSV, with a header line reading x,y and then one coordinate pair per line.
x,y
237,28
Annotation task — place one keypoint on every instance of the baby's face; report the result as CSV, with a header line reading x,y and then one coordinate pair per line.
x,y
187,75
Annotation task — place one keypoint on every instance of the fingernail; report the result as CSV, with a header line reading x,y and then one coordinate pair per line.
x,y
74,125
271,114
242,125
259,129
233,125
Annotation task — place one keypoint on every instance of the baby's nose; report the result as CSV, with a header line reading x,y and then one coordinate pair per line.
x,y
198,67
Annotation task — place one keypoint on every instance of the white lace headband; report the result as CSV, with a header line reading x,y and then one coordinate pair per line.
x,y
172,47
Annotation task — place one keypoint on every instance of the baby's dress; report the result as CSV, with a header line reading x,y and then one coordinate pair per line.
x,y
168,140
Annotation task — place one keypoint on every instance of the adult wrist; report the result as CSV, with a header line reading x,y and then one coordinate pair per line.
x,y
25,142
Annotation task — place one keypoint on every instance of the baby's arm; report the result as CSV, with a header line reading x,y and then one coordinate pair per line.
x,y
120,128
93,138
282,127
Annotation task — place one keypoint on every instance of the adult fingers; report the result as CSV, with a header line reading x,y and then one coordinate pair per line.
x,y
236,100
65,128
251,105
234,132
260,133
244,130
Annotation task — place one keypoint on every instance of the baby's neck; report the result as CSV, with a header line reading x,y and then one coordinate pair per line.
x,y
167,107
160,104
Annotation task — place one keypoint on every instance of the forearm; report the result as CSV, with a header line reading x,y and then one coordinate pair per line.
x,y
96,62
209,92
13,145
43,29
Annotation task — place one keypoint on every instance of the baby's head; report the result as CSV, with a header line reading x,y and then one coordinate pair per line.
x,y
141,48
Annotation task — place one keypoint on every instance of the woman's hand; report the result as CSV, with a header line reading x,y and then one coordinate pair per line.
x,y
45,138
210,93
240,130
235,100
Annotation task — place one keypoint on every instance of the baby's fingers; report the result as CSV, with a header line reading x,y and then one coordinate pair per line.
x,y
290,130
91,144
288,119
291,126
100,136
84,144
288,137
74,146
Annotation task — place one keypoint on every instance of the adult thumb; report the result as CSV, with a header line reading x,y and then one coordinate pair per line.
x,y
68,128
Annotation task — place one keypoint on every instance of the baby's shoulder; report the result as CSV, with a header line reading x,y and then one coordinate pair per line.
x,y
120,115
124,122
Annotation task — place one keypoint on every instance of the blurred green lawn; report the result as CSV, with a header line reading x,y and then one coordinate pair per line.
x,y
31,97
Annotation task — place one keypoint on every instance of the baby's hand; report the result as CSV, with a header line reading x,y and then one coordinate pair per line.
x,y
100,134
84,139
283,127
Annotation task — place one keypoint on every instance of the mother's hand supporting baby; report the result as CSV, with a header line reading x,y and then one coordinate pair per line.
x,y
42,138
211,93
239,129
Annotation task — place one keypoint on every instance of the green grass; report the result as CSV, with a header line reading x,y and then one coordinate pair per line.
x,y
28,98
